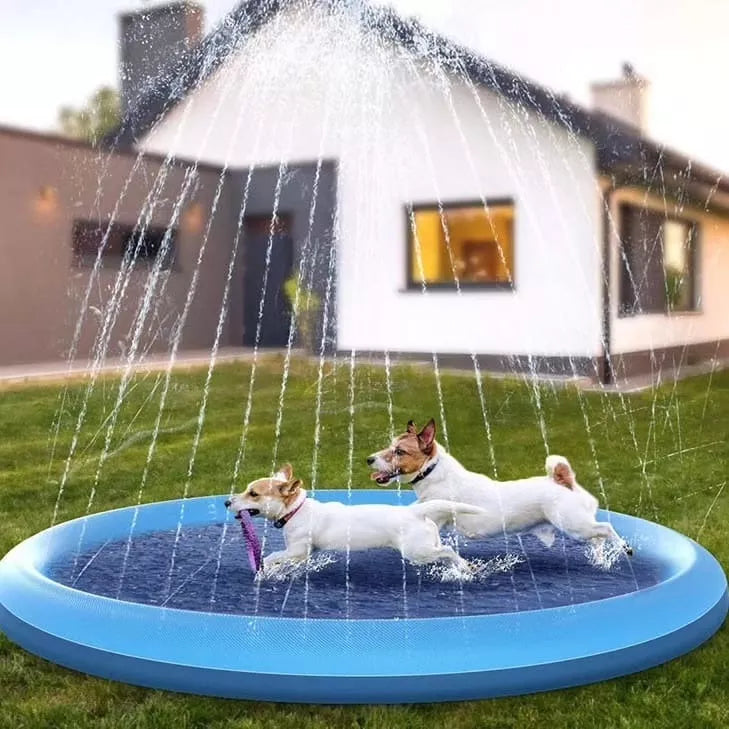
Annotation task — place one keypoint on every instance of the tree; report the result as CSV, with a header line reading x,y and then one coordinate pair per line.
x,y
100,115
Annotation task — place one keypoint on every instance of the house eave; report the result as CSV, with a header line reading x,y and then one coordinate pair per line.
x,y
707,194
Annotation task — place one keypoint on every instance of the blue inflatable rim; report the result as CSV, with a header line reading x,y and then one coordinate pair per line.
x,y
354,661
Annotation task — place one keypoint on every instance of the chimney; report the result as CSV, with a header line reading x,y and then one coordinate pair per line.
x,y
152,40
625,99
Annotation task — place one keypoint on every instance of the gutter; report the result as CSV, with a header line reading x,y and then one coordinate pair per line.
x,y
606,375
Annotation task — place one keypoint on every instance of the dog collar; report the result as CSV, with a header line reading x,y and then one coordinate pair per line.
x,y
424,473
281,523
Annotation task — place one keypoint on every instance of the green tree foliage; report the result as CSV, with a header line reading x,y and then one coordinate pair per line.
x,y
100,115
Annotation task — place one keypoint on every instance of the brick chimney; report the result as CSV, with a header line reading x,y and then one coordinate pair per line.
x,y
152,40
626,98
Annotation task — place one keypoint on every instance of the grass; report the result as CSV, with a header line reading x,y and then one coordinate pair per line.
x,y
660,455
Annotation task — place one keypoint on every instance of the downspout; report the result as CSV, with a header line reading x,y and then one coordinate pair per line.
x,y
607,375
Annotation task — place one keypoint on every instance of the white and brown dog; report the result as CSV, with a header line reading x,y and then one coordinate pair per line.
x,y
309,525
538,505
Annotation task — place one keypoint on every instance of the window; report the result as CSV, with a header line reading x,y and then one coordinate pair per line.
x,y
471,244
657,263
122,241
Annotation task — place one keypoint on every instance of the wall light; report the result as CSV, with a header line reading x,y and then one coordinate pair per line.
x,y
193,219
46,201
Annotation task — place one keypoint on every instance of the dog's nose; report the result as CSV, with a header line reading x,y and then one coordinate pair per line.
x,y
227,503
370,460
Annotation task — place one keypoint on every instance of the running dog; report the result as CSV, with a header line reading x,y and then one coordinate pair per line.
x,y
540,505
310,525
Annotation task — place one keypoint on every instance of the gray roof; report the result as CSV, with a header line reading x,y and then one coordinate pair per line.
x,y
622,152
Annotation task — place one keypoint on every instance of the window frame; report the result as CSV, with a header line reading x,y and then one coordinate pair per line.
x,y
695,231
447,286
114,260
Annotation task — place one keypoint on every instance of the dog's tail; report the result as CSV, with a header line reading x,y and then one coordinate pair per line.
x,y
443,512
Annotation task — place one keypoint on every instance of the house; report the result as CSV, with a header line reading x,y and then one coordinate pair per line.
x,y
437,203
59,200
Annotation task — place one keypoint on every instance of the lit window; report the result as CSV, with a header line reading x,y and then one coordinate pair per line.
x,y
119,242
469,244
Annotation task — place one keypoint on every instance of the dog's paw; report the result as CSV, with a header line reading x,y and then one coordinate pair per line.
x,y
545,534
465,567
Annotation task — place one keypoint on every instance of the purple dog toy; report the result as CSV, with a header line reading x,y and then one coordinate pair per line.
x,y
253,546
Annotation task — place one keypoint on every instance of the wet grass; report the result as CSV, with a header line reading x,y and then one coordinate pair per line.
x,y
661,455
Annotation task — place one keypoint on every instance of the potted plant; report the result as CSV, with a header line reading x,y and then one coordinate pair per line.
x,y
305,305
675,288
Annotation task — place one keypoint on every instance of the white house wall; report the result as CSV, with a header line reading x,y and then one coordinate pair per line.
x,y
305,88
657,331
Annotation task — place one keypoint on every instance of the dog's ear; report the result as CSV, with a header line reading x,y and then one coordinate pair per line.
x,y
291,487
426,437
564,475
286,471
412,428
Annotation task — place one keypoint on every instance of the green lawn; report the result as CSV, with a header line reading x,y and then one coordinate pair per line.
x,y
661,455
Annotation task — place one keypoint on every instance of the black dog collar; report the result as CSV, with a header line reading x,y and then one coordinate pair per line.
x,y
424,473
281,523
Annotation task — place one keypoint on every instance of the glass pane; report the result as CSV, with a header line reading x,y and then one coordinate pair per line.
x,y
119,241
88,236
469,244
677,264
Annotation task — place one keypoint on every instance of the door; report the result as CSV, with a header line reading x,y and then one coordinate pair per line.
x,y
275,316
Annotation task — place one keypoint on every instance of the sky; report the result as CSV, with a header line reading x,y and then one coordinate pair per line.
x,y
56,52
